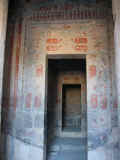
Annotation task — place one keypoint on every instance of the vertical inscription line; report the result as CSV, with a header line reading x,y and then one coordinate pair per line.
x,y
17,62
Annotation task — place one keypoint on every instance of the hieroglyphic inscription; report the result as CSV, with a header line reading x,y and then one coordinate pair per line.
x,y
35,38
67,39
81,42
53,44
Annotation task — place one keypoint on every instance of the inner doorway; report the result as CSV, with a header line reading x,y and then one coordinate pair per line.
x,y
71,107
66,109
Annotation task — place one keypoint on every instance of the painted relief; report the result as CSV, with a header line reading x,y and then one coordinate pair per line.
x,y
103,102
19,42
36,38
81,43
87,36
66,11
92,71
28,100
70,38
53,44
37,101
94,101
115,105
39,70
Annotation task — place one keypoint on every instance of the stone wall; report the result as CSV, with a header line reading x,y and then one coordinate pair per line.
x,y
33,38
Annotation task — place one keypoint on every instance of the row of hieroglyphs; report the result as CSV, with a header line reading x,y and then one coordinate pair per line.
x,y
67,38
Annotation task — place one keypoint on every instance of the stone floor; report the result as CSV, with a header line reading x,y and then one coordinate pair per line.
x,y
67,149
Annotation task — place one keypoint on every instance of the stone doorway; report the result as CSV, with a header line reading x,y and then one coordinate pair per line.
x,y
71,107
66,109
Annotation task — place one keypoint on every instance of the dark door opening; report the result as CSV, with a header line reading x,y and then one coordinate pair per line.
x,y
66,110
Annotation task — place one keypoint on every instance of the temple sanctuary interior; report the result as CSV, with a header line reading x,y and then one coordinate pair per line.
x,y
60,79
